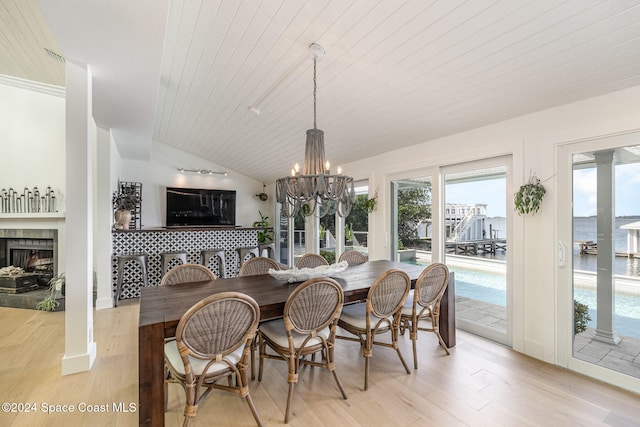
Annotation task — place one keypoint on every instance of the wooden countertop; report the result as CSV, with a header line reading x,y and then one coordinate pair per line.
x,y
189,228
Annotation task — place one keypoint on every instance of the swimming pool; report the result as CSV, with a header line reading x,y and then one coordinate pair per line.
x,y
490,288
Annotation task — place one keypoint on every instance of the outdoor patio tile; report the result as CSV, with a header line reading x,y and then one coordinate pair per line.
x,y
489,320
621,355
587,358
629,345
623,366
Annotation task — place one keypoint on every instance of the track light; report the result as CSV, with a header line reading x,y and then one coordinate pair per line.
x,y
203,171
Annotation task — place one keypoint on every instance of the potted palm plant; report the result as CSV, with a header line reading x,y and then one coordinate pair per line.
x,y
348,233
264,234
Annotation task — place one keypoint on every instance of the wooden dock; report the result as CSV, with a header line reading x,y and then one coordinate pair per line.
x,y
589,247
476,247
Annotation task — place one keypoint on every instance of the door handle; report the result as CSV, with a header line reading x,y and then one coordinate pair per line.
x,y
562,254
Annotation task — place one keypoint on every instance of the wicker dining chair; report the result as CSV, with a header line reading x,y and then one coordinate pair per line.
x,y
258,265
423,304
311,261
212,343
253,267
310,318
353,258
378,315
185,273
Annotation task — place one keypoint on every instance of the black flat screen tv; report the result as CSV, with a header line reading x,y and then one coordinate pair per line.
x,y
200,207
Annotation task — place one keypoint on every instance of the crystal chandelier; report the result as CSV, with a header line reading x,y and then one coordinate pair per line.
x,y
315,191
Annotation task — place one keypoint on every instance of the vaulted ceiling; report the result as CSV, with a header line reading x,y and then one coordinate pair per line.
x,y
194,74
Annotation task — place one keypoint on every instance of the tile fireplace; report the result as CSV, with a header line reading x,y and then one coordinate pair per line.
x,y
33,250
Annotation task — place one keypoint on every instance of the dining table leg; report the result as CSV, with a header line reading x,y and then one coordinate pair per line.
x,y
151,375
447,320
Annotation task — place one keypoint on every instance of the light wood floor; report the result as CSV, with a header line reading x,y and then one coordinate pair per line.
x,y
480,384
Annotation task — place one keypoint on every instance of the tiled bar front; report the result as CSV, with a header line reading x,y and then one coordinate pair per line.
x,y
156,241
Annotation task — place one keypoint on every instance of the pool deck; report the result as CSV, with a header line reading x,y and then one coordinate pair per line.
x,y
624,357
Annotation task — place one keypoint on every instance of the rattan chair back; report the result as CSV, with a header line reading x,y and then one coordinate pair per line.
x,y
431,284
388,293
258,265
311,261
353,258
185,273
314,305
218,325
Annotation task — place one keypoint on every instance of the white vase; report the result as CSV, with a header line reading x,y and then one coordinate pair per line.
x,y
122,219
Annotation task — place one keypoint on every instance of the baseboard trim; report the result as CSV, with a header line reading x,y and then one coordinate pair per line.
x,y
80,362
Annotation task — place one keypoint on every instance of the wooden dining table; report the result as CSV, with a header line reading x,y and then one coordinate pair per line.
x,y
162,307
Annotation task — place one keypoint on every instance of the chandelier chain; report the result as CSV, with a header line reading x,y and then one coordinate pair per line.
x,y
315,89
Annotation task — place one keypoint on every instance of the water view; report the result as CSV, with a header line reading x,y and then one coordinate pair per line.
x,y
490,287
584,229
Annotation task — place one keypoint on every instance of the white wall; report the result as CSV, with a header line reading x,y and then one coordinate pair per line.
x,y
532,141
32,148
161,171
32,137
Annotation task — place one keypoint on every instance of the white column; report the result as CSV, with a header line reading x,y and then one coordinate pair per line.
x,y
606,250
102,231
80,349
632,242
312,234
340,236
438,216
291,232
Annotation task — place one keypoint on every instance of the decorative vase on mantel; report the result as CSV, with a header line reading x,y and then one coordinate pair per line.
x,y
122,219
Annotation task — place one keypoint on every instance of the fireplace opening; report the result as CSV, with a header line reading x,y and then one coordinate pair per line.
x,y
32,260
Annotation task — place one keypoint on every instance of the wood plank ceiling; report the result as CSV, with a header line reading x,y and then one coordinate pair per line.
x,y
396,73
27,47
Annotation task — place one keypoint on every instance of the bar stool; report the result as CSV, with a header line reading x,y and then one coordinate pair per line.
x,y
269,247
167,257
207,254
142,260
247,251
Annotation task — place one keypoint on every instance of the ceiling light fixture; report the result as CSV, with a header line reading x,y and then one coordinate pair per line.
x,y
315,191
54,55
203,171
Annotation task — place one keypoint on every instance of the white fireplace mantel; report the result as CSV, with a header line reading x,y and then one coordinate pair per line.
x,y
30,216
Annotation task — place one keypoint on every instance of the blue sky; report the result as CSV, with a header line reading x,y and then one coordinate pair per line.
x,y
492,192
627,197
488,192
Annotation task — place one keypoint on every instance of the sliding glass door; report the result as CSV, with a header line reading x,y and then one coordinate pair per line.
x,y
600,260
475,223
412,219
458,215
